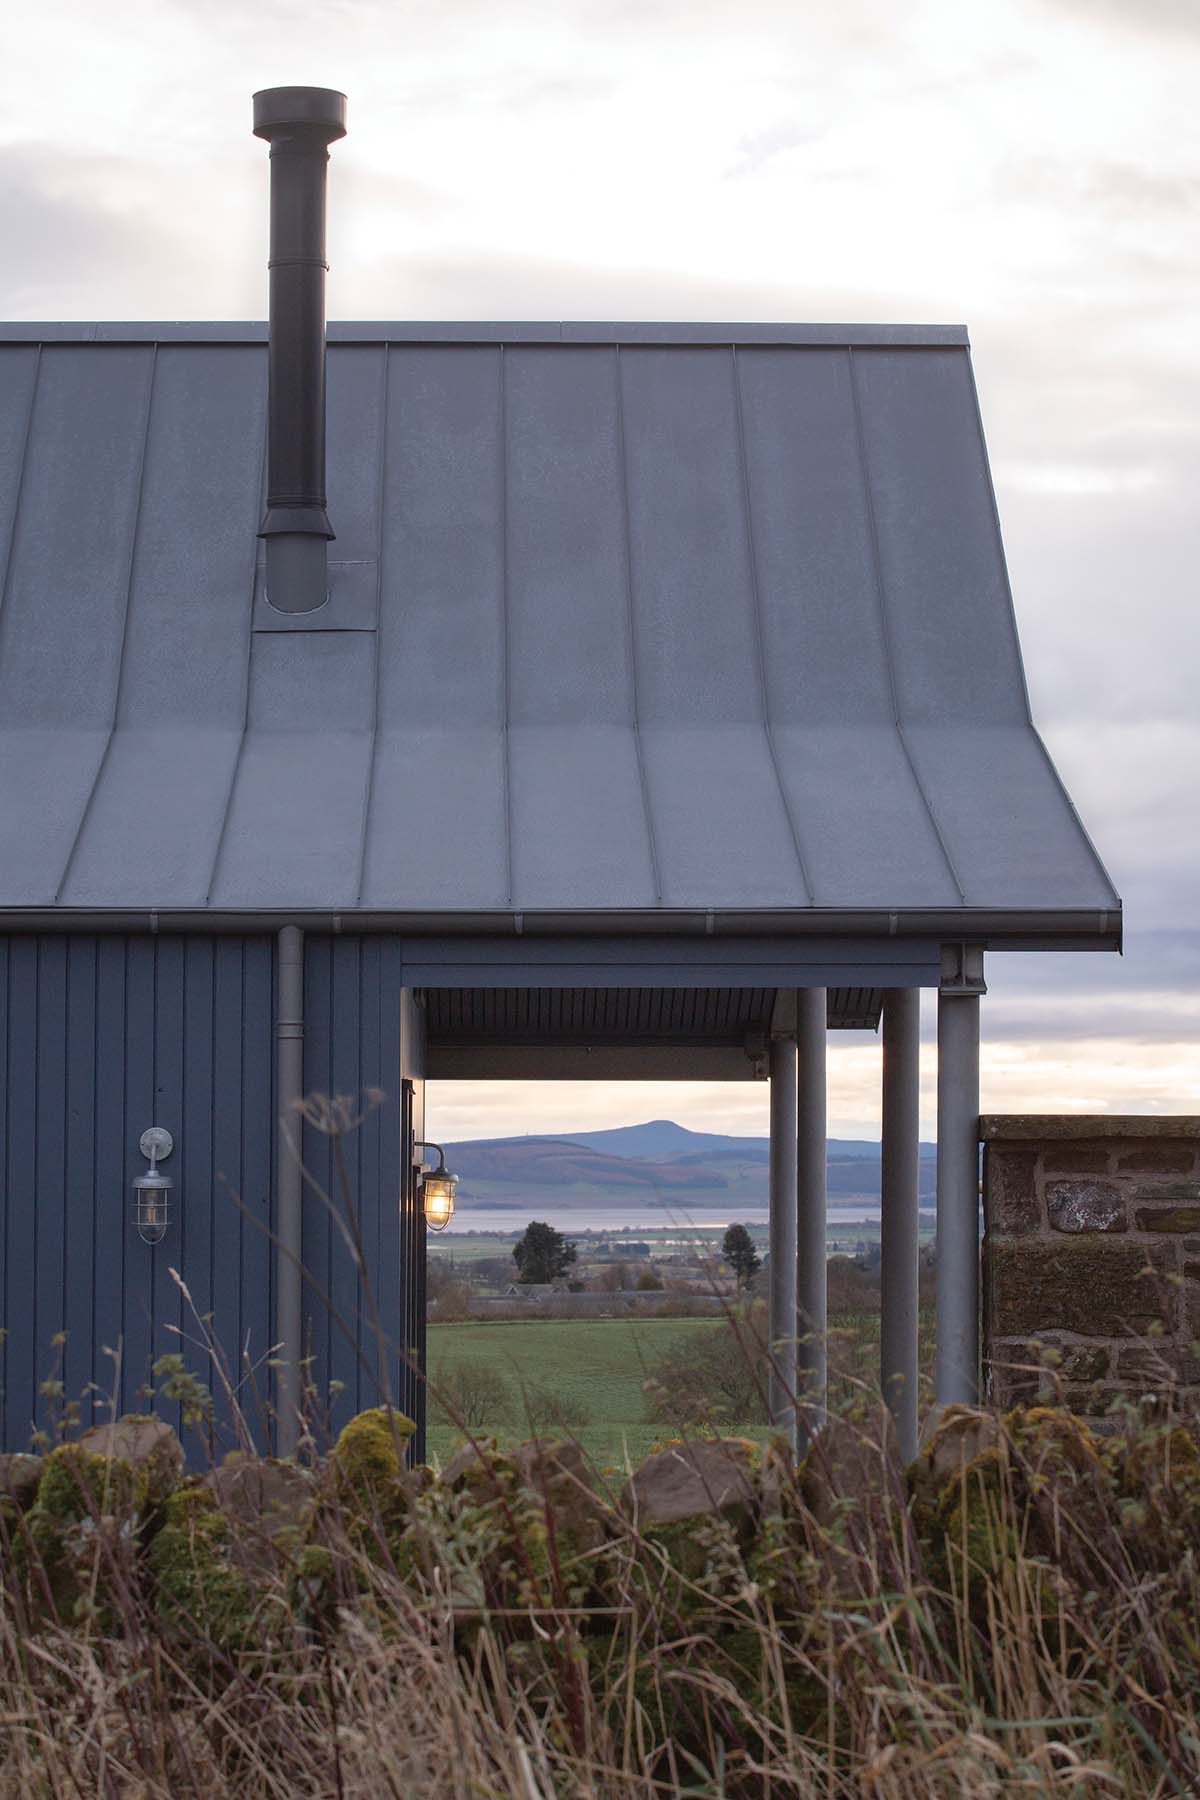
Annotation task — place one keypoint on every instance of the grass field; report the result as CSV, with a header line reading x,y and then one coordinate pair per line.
x,y
598,1363
601,1365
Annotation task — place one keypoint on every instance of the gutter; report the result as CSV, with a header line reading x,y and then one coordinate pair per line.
x,y
992,928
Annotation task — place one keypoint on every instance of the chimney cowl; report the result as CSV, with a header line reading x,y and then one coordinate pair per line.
x,y
282,109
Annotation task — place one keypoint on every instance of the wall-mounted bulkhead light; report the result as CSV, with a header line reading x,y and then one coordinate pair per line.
x,y
437,1190
152,1191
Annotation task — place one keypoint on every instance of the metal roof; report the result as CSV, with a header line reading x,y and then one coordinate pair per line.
x,y
643,619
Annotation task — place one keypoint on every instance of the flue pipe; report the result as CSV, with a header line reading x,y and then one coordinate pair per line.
x,y
299,123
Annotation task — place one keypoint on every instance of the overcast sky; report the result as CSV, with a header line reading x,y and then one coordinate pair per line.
x,y
1032,169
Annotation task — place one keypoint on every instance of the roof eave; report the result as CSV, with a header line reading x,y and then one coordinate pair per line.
x,y
1008,928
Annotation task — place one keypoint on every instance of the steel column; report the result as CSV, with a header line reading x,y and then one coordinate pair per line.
x,y
900,1210
811,1286
782,1233
289,1177
958,1185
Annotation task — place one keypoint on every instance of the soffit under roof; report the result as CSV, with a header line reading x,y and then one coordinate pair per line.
x,y
630,619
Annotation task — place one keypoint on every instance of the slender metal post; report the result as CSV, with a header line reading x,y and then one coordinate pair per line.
x,y
958,1181
289,1189
900,1210
811,1283
782,1234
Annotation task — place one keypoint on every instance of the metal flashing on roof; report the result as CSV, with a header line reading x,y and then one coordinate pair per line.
x,y
652,627
467,331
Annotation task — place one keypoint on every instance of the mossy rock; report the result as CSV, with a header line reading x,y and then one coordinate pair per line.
x,y
83,1521
150,1447
692,1481
77,1483
1054,1442
199,1589
270,1506
370,1489
315,1586
975,1522
370,1450
19,1478
556,1480
481,1468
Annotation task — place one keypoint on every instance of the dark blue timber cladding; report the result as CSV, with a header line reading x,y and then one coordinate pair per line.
x,y
102,1036
363,1240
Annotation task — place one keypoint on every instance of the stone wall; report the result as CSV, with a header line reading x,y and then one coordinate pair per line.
x,y
1091,1258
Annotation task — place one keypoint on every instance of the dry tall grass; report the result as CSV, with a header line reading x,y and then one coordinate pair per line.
x,y
1018,1614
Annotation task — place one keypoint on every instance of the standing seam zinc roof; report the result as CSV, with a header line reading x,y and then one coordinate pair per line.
x,y
621,618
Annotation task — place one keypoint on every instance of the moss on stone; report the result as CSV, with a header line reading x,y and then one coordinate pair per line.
x,y
370,1485
369,1453
198,1589
84,1516
76,1484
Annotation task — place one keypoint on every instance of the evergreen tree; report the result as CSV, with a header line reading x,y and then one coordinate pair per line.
x,y
739,1252
543,1254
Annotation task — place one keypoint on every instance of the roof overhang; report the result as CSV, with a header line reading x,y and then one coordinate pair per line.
x,y
1024,929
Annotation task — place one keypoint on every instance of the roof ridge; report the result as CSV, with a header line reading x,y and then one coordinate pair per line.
x,y
348,331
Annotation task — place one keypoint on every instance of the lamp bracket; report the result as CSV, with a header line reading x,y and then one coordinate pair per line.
x,y
156,1142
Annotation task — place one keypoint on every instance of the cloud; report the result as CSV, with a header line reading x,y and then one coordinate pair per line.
x,y
1031,167
60,229
1139,18
758,148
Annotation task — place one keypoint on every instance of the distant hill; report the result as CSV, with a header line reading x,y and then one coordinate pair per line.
x,y
657,1161
663,1138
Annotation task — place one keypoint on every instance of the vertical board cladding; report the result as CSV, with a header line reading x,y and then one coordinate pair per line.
x,y
363,1236
101,1036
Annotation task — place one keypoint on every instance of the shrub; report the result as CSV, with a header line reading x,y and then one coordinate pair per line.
x,y
547,1412
471,1394
715,1378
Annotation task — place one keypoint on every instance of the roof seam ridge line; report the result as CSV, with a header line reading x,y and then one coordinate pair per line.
x,y
860,438
130,572
369,790
506,633
19,485
631,630
756,599
235,772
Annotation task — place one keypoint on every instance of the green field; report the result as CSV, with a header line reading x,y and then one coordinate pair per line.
x,y
600,1364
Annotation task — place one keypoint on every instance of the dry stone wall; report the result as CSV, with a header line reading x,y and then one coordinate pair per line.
x,y
1091,1258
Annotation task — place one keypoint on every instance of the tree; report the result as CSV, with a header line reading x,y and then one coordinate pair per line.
x,y
739,1252
471,1394
714,1379
543,1254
